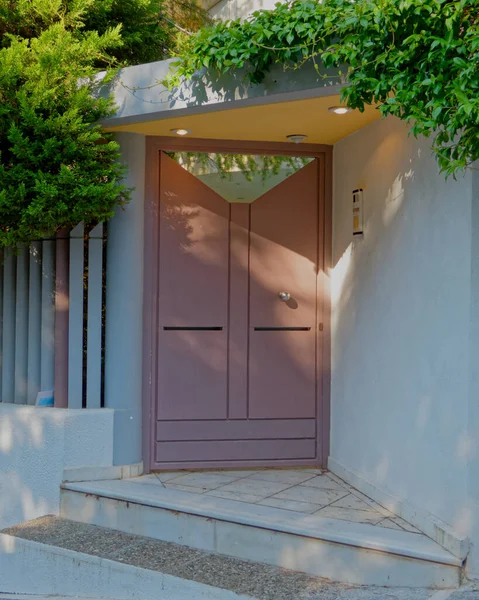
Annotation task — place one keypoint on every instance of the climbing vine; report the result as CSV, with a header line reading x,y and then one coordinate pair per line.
x,y
415,59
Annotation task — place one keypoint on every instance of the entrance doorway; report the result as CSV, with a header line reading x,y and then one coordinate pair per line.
x,y
239,312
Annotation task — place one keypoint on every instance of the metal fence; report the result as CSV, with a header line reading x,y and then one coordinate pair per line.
x,y
52,297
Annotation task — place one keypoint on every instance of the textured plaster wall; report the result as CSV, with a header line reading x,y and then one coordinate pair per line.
x,y
400,334
36,444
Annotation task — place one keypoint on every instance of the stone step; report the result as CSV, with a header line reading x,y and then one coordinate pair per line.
x,y
44,597
341,551
52,555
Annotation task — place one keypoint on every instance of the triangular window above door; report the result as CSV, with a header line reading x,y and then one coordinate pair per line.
x,y
239,178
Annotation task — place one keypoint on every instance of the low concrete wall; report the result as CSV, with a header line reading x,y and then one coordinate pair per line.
x,y
36,444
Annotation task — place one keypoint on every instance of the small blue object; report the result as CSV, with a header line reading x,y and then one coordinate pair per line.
x,y
45,400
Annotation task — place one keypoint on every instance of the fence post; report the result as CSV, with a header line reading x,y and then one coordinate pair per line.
x,y
95,294
47,353
1,320
61,318
34,321
8,333
21,328
75,318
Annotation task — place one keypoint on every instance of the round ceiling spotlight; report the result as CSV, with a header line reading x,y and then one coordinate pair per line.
x,y
297,138
180,131
339,110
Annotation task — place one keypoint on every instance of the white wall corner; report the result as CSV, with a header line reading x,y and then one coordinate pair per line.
x,y
430,525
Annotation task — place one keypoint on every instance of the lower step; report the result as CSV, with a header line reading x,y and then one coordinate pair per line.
x,y
54,556
45,597
350,553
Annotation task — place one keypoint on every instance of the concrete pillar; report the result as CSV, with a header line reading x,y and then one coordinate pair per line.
x,y
124,300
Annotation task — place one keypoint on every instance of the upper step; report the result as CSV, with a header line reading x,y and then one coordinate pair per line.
x,y
342,551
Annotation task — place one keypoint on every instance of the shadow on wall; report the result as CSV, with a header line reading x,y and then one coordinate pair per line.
x,y
142,87
139,90
400,298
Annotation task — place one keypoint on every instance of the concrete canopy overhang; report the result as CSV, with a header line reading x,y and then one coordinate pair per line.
x,y
288,101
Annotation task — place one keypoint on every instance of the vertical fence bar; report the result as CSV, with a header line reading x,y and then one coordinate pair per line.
x,y
47,353
1,321
8,337
95,295
61,318
34,321
75,319
21,327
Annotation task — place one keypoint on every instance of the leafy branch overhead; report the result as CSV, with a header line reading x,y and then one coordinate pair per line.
x,y
415,59
57,166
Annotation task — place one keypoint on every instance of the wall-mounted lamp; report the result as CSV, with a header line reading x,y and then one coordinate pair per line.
x,y
180,131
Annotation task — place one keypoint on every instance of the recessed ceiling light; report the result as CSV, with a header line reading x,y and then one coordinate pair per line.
x,y
180,131
339,110
297,138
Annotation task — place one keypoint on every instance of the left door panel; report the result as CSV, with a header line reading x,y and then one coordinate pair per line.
x,y
192,298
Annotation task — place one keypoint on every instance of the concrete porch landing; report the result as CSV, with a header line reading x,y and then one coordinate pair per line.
x,y
308,491
305,520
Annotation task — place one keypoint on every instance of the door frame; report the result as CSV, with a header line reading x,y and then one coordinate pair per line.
x,y
154,146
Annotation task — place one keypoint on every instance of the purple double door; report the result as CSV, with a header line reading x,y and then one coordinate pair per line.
x,y
238,324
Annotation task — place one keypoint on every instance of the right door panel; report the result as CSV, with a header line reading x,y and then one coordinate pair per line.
x,y
284,237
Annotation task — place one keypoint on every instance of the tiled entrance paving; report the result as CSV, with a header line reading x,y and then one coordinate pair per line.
x,y
308,491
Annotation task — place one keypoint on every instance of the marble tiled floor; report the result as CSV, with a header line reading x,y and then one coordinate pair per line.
x,y
308,491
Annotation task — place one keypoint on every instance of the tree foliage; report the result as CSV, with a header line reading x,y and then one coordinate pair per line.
x,y
57,166
415,59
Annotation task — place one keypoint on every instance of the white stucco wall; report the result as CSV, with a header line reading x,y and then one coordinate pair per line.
x,y
124,307
36,444
401,306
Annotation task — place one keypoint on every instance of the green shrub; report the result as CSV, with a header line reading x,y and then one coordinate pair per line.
x,y
57,166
